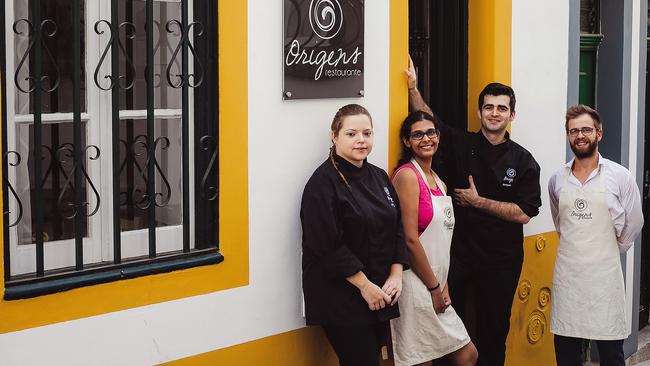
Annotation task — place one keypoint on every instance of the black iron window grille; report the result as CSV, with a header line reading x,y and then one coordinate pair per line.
x,y
110,140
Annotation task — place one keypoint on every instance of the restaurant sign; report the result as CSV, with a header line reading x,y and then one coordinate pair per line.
x,y
323,49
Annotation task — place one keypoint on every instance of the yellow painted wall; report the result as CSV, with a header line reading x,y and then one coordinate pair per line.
x,y
489,53
530,341
233,227
399,34
306,346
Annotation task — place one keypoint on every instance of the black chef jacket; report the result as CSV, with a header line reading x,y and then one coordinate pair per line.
x,y
505,172
347,230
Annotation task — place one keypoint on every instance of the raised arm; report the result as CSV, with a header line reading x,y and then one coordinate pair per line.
x,y
416,102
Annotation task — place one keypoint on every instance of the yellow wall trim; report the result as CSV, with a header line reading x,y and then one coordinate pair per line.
x,y
489,50
233,227
398,92
306,346
530,341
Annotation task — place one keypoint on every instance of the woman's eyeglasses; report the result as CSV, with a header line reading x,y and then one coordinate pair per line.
x,y
430,133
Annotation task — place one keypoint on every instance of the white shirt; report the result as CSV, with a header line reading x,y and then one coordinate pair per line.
x,y
623,197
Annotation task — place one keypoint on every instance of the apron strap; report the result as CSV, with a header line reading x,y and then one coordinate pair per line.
x,y
424,176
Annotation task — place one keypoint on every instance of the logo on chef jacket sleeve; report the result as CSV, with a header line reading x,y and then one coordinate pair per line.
x,y
509,177
581,206
449,218
390,199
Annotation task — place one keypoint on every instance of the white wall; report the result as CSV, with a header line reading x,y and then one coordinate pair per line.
x,y
539,78
287,141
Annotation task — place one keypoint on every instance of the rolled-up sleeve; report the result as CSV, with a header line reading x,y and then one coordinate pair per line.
x,y
529,191
322,238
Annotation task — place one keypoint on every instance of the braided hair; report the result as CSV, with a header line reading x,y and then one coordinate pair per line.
x,y
337,124
405,132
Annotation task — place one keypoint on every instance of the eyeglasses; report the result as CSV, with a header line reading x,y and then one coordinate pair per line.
x,y
586,131
419,135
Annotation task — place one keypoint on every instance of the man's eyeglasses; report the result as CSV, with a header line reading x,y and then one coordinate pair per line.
x,y
586,131
419,135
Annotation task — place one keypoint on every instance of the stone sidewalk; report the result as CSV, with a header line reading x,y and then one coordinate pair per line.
x,y
642,356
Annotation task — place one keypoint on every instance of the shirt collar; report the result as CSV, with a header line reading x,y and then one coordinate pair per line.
x,y
592,175
349,169
601,161
499,145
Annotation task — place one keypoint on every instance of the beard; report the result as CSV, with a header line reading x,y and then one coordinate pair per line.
x,y
585,152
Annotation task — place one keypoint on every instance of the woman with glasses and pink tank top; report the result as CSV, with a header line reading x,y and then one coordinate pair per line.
x,y
428,327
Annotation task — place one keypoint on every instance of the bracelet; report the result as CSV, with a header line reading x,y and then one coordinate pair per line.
x,y
431,289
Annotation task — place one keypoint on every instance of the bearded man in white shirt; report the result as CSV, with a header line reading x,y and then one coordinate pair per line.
x,y
596,208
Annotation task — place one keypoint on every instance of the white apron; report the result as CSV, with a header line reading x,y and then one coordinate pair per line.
x,y
588,295
419,334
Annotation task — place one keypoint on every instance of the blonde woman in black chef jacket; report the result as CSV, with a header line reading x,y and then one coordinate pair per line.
x,y
353,244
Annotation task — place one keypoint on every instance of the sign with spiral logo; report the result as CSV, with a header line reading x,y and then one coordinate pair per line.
x,y
323,48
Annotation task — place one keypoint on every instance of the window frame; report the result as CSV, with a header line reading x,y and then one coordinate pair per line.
x,y
91,274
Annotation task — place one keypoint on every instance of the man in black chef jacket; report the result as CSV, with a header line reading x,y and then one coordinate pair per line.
x,y
495,184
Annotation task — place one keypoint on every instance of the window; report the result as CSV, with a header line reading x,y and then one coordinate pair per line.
x,y
110,140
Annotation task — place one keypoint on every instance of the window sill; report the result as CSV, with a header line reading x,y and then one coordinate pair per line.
x,y
24,289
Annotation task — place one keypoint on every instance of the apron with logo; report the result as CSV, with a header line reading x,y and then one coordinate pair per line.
x,y
419,334
588,295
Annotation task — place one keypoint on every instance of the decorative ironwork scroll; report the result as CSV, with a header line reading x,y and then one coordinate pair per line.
x,y
185,39
145,200
47,28
122,81
14,163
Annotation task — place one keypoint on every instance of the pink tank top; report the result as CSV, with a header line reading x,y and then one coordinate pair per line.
x,y
425,206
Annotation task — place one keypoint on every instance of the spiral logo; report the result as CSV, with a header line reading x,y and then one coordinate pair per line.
x,y
544,297
536,326
580,204
511,173
325,18
524,290
448,212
